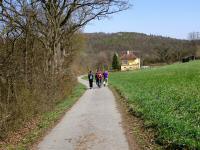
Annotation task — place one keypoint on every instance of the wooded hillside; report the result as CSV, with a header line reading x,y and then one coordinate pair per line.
x,y
152,49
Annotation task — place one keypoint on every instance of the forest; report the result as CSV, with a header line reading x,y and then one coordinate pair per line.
x,y
152,49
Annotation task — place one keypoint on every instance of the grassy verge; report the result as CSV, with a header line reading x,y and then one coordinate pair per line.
x,y
167,99
47,120
137,137
85,77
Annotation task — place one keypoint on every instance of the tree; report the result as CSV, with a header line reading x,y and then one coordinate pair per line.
x,y
194,36
55,21
162,53
115,62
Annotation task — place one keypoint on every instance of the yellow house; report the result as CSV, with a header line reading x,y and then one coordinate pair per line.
x,y
129,61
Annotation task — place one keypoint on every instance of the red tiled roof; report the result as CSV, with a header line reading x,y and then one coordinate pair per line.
x,y
128,56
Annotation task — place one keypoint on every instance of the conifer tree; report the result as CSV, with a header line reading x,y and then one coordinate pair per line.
x,y
115,62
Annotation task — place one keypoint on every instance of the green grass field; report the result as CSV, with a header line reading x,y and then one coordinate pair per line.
x,y
167,99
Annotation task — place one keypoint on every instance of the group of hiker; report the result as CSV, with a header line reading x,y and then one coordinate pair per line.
x,y
99,77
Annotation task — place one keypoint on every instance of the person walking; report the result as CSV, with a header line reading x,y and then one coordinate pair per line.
x,y
105,78
90,78
96,78
99,78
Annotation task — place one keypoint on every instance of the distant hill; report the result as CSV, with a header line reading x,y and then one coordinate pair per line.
x,y
152,49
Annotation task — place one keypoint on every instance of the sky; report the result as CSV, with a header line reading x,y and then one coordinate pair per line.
x,y
171,18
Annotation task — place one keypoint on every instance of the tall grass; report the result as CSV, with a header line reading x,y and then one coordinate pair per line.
x,y
168,99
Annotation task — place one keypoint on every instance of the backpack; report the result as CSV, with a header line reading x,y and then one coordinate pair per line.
x,y
90,76
99,75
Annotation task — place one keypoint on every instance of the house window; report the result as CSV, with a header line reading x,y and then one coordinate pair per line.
x,y
125,62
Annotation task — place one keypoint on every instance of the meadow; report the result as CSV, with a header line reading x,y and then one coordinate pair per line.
x,y
167,99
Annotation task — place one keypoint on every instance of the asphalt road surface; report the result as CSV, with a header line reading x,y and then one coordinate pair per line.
x,y
93,123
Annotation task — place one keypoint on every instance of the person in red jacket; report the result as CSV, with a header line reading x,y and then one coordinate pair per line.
x,y
99,78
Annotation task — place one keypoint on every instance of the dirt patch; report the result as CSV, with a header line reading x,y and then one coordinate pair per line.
x,y
139,138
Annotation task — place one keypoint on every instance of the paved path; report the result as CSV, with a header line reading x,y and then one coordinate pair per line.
x,y
93,123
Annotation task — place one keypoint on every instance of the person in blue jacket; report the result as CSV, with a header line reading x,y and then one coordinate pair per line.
x,y
105,77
